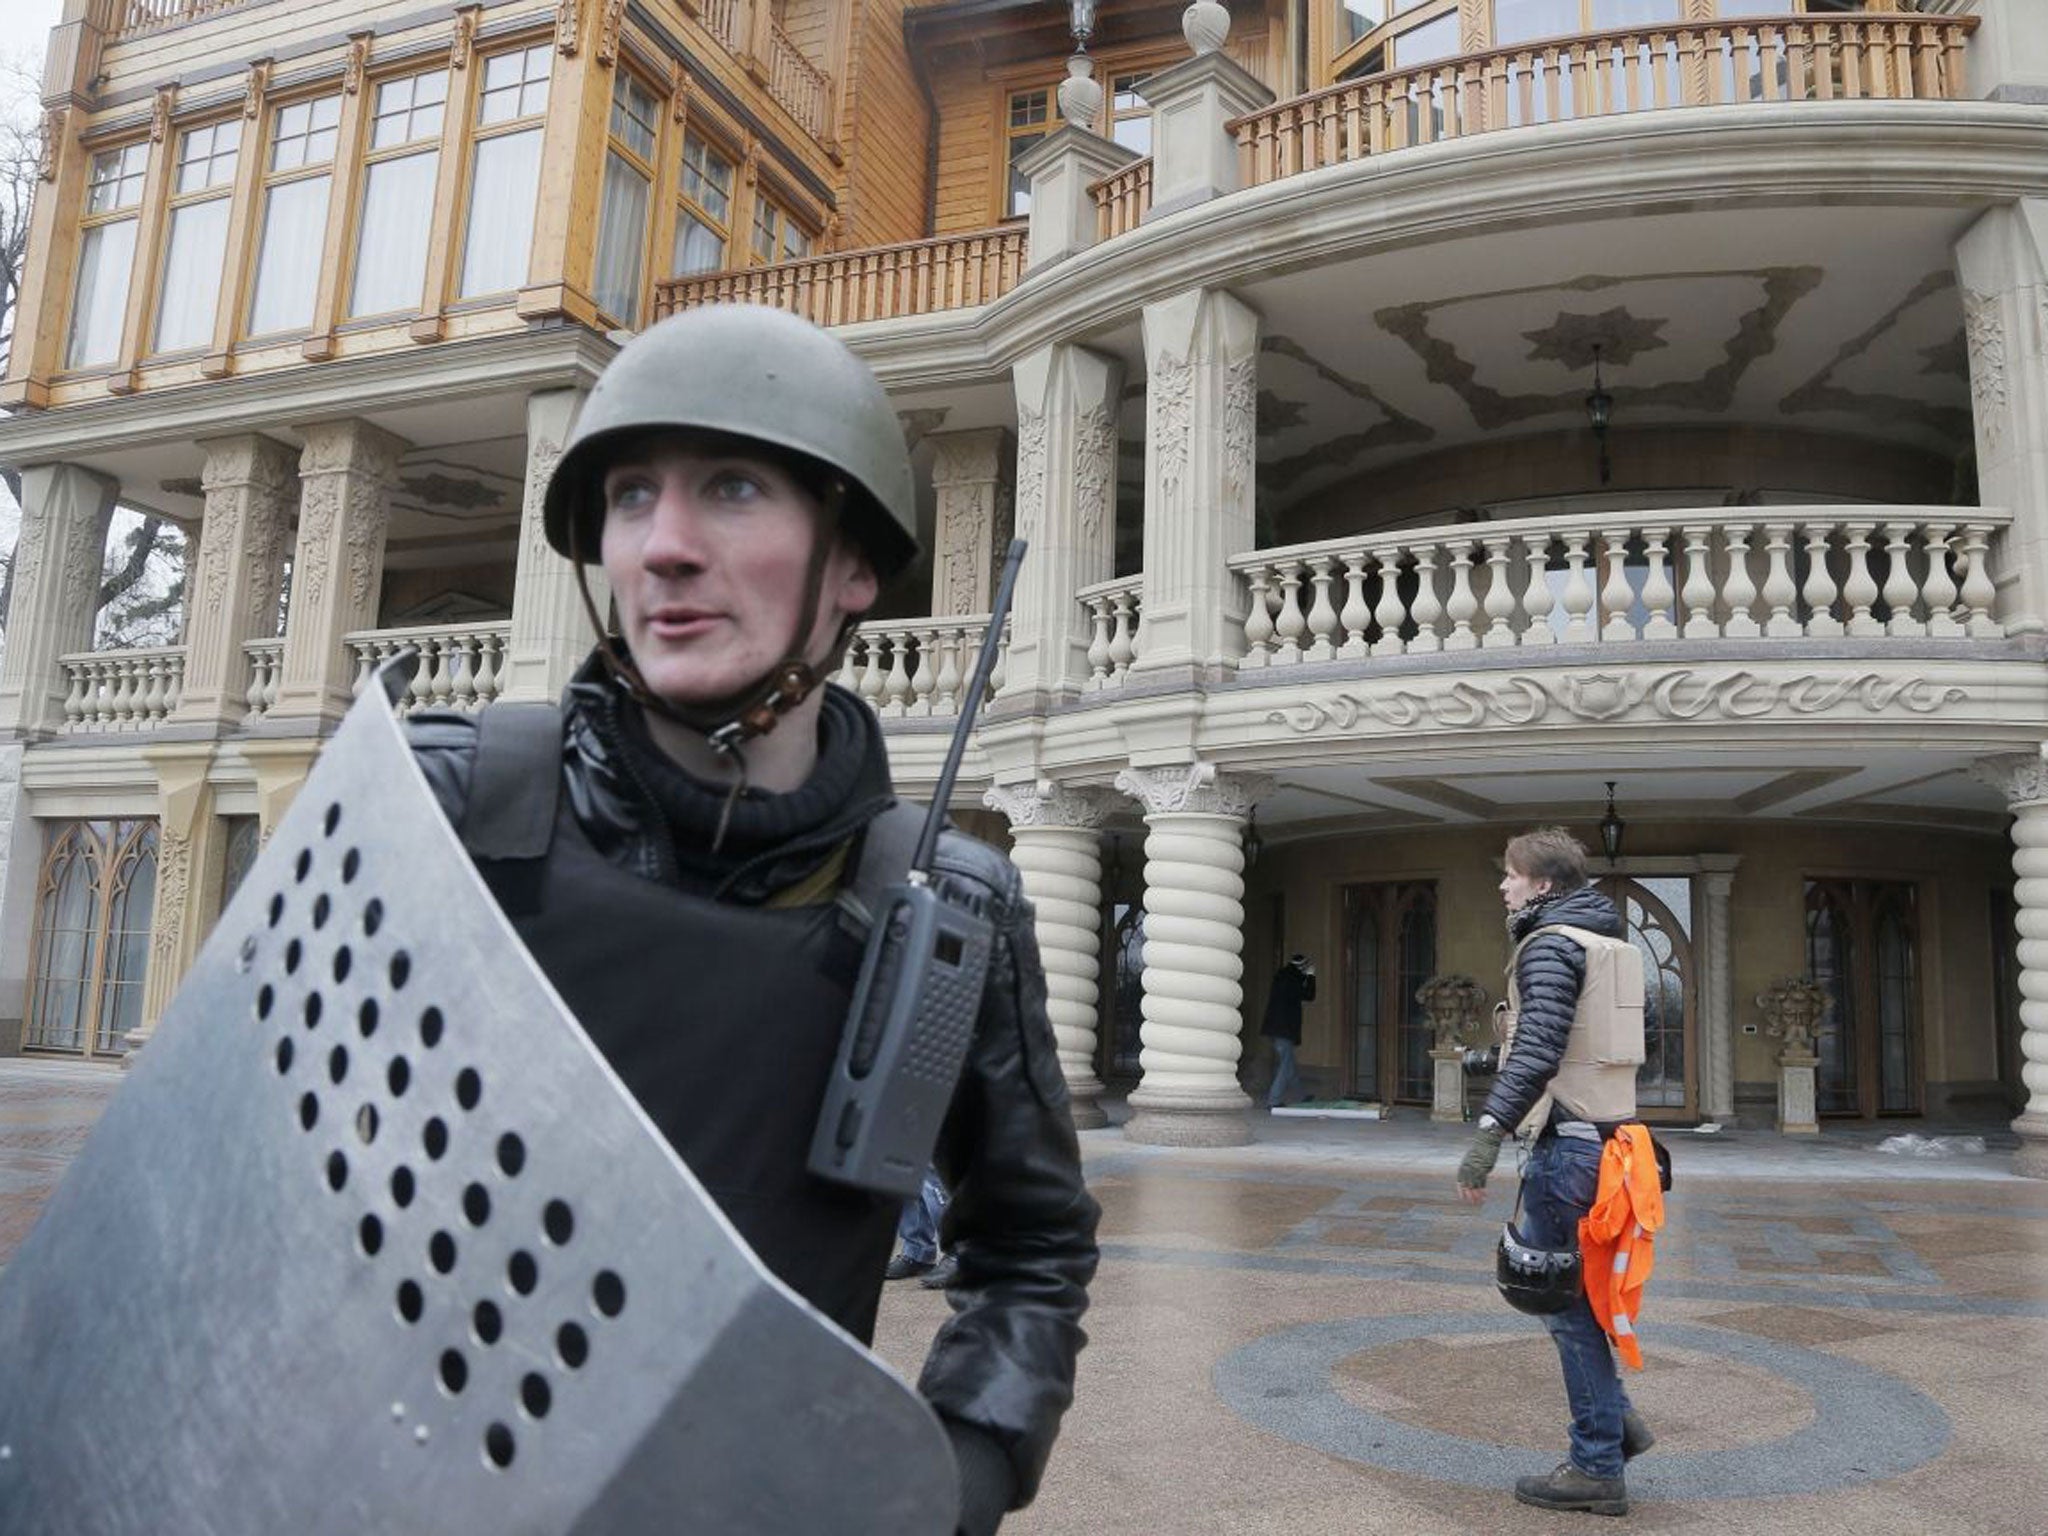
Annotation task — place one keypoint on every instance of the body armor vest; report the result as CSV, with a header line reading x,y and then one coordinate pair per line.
x,y
1596,1080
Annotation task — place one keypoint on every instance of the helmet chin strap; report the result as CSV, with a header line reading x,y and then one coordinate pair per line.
x,y
728,724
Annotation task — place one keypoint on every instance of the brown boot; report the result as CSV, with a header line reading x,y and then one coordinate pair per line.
x,y
1569,1488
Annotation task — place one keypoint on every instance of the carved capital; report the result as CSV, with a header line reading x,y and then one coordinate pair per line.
x,y
258,85
160,113
608,30
358,62
1046,804
465,36
52,145
568,26
2021,777
1194,788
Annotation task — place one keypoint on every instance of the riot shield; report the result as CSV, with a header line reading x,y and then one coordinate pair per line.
x,y
372,1240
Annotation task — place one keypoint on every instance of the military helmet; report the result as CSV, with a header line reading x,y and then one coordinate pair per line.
x,y
750,372
1539,1281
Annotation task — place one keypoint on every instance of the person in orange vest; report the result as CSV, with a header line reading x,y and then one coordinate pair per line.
x,y
1564,1092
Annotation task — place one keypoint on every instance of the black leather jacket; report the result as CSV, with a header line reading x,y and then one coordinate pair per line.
x,y
1021,1221
1548,974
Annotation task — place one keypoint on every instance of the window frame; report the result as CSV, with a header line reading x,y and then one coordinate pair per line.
x,y
270,180
111,852
370,155
687,206
1009,132
476,134
647,164
92,219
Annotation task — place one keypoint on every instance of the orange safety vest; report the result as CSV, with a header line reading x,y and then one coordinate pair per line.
x,y
1615,1236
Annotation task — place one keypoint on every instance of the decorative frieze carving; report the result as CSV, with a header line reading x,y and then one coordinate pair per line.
x,y
1046,804
54,123
256,89
358,63
173,890
459,52
1094,472
568,26
1030,471
542,455
1985,329
1240,429
1171,393
608,30
160,113
1682,694
1194,788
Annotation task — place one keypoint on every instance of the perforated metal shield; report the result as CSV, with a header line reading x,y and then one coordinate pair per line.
x,y
373,1240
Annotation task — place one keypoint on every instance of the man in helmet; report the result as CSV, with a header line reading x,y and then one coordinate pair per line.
x,y
678,845
1565,1107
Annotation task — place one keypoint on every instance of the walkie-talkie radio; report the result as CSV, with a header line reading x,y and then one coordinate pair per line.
x,y
919,993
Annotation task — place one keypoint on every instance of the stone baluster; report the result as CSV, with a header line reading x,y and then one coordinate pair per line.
x,y
74,695
1290,625
1500,604
1098,647
462,672
1698,591
153,692
1818,590
1779,592
1427,608
1123,640
1258,622
896,690
1355,615
872,674
490,659
1322,613
925,681
1657,593
951,643
1741,594
1901,591
2022,778
1462,604
849,673
1980,593
1860,590
1194,936
1058,852
1617,598
1579,623
1391,610
1536,600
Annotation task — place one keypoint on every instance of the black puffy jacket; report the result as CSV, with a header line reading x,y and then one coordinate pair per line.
x,y
1548,974
1021,1221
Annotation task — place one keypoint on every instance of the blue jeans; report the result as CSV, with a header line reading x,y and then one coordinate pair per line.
x,y
1558,1188
1286,1076
917,1229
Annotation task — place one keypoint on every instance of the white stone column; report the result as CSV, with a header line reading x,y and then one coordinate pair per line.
x,y
1067,402
1059,852
2002,264
2022,777
347,473
1194,966
974,518
57,560
252,492
1201,449
1717,989
551,633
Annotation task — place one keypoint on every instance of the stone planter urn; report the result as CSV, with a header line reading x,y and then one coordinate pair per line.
x,y
1792,1011
1455,1005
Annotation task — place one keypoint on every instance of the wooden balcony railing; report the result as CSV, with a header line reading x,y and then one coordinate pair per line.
x,y
1122,198
725,20
917,667
804,90
921,277
124,18
1772,573
1715,63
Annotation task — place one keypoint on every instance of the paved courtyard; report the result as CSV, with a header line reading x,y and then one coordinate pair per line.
x,y
1301,1336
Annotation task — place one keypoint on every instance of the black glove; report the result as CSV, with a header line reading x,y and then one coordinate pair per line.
x,y
1480,1157
988,1483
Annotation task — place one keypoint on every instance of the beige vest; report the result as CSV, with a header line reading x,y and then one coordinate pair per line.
x,y
1597,1078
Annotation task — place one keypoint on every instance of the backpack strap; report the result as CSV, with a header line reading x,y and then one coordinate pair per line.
x,y
515,782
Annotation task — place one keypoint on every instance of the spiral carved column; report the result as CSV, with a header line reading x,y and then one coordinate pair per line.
x,y
2023,779
1058,852
1194,941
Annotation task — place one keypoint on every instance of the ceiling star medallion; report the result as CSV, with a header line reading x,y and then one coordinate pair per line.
x,y
1570,338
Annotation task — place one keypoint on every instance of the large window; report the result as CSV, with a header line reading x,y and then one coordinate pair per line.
x,y
196,241
301,172
1355,18
1030,119
94,900
1522,21
703,209
399,174
106,255
777,235
1130,119
628,184
505,172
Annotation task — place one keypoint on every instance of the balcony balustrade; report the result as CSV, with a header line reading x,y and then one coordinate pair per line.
x,y
804,90
916,668
460,667
916,278
1714,63
1113,606
1122,199
121,690
124,18
1778,574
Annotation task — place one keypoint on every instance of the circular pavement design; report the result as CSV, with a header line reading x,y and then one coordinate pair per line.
x,y
1867,1426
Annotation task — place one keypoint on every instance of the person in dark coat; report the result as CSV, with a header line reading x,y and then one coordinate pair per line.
x,y
1293,984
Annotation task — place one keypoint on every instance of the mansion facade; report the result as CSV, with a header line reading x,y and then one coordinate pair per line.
x,y
1430,418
